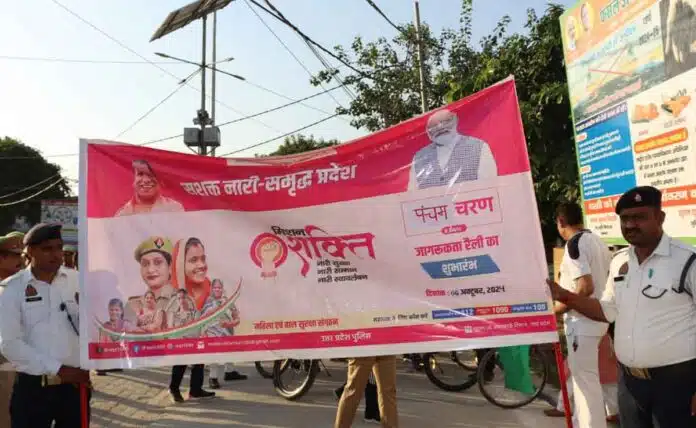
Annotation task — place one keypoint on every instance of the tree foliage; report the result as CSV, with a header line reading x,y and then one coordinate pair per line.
x,y
22,168
456,68
299,143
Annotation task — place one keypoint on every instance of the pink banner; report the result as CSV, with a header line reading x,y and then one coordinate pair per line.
x,y
407,240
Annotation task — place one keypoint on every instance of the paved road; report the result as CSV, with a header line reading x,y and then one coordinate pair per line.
x,y
139,399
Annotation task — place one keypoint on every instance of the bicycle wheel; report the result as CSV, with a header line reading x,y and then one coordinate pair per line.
x,y
466,359
304,370
493,386
266,373
446,373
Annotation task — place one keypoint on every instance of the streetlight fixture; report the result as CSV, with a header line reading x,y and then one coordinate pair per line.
x,y
207,135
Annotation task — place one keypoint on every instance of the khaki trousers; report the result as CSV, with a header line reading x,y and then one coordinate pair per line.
x,y
358,372
6,383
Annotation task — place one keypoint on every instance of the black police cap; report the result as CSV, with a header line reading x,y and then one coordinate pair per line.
x,y
641,196
42,232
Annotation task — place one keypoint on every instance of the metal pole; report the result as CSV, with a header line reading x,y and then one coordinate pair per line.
x,y
212,88
421,65
203,150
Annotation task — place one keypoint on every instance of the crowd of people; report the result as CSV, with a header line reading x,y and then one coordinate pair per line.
x,y
629,319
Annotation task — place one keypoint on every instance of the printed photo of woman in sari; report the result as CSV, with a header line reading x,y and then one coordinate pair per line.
x,y
225,325
150,318
190,270
181,311
116,322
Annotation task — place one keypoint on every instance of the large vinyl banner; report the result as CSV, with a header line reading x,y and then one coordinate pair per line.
x,y
422,237
632,79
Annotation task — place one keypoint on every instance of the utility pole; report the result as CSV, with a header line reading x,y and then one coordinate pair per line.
x,y
203,150
212,88
206,134
421,65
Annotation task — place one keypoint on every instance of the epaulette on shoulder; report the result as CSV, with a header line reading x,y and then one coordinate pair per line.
x,y
683,245
620,252
574,245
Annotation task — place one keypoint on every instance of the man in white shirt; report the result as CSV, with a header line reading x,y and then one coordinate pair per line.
x,y
650,296
584,270
39,335
451,157
147,193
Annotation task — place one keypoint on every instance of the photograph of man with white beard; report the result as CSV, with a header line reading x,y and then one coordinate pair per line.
x,y
678,35
451,157
147,193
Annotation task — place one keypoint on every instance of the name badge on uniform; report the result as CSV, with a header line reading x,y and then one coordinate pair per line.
x,y
623,270
31,295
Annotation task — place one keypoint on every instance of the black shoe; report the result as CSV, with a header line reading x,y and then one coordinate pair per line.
x,y
176,396
338,392
213,383
201,394
235,375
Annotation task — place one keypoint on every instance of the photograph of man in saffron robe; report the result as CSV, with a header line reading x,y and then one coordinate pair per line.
x,y
147,193
451,157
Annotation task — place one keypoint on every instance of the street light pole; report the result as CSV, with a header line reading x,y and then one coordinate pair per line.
x,y
203,150
421,65
213,77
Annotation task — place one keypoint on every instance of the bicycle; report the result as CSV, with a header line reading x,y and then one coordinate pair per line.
x,y
307,371
493,382
439,367
266,373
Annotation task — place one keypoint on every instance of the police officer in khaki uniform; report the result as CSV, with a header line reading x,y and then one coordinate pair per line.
x,y
11,262
11,254
154,255
651,296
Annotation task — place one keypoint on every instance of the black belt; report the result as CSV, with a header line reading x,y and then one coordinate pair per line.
x,y
686,368
37,381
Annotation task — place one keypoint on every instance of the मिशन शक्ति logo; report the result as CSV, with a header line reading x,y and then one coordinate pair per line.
x,y
268,252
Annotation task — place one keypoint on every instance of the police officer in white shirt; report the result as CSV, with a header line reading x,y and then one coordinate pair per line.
x,y
39,335
650,297
584,270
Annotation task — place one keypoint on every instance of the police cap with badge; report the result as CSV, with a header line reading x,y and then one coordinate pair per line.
x,y
641,196
154,244
41,233
12,243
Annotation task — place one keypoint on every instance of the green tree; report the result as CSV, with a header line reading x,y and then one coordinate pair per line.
x,y
456,68
22,168
299,143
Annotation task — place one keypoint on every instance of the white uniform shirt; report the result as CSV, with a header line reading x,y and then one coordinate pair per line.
x,y
585,254
655,325
487,166
35,334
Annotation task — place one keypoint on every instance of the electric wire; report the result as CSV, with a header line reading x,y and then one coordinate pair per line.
x,y
24,189
270,140
285,46
159,67
28,198
156,106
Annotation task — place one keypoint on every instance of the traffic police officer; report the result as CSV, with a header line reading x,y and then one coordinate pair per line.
x,y
650,295
39,335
